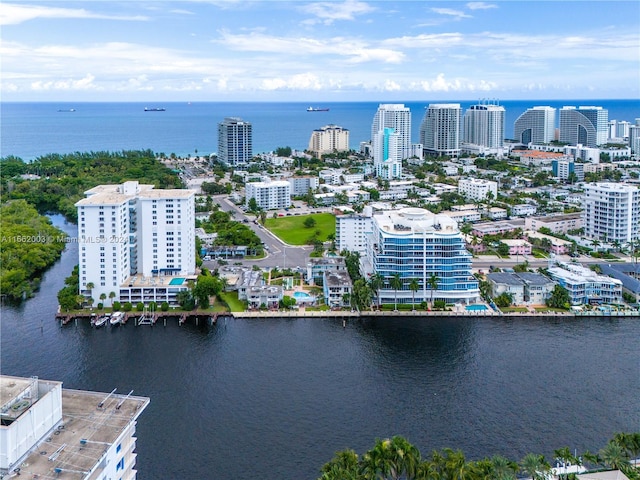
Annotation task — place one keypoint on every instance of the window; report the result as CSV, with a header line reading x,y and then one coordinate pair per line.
x,y
120,465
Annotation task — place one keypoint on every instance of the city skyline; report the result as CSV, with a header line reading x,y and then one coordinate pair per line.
x,y
318,51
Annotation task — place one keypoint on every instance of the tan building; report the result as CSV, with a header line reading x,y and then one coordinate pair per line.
x,y
329,139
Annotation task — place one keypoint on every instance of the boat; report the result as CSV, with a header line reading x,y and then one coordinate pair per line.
x,y
314,109
147,109
116,319
100,321
68,110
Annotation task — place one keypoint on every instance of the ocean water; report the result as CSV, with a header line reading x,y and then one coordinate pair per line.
x,y
30,130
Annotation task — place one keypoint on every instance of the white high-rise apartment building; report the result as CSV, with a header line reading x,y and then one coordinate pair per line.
x,y
484,125
329,139
269,195
132,229
235,142
587,126
352,231
477,188
536,125
440,129
634,138
52,432
397,117
611,212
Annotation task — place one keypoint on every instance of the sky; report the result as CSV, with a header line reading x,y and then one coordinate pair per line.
x,y
352,50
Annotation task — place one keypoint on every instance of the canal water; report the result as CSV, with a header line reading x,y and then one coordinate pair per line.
x,y
249,399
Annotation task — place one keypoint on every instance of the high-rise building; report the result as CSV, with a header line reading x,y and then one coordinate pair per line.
x,y
390,139
131,229
536,125
634,138
414,244
440,129
52,432
562,170
586,126
269,195
387,154
235,145
484,125
611,212
329,139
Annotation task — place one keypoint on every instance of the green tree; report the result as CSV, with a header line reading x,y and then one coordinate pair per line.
x,y
535,466
614,456
309,222
253,205
414,286
376,282
559,298
432,282
396,284
343,466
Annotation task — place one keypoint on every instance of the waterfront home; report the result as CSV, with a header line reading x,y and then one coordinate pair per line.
x,y
585,286
337,288
318,266
526,288
268,296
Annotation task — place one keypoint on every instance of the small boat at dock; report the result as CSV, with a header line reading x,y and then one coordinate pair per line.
x,y
116,319
100,321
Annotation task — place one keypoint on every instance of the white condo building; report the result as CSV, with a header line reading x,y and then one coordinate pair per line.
x,y
131,234
477,188
235,142
329,139
611,212
52,432
440,129
586,126
536,125
484,125
269,195
413,243
391,139
634,138
352,231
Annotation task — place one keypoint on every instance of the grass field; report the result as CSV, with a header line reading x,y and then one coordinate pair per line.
x,y
291,230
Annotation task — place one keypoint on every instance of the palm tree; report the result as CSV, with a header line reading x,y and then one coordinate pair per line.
x,y
414,286
396,284
90,286
344,466
535,466
376,282
503,467
432,281
614,456
112,295
103,297
565,456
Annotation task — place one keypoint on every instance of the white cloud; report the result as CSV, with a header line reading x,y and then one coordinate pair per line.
x,y
85,83
328,12
303,81
480,5
13,14
441,84
458,14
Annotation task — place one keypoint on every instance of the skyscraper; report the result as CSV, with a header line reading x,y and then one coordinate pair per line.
x,y
329,139
440,129
387,154
587,126
536,125
484,125
234,142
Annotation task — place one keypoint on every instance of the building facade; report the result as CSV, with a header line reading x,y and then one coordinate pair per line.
x,y
563,170
587,126
329,139
484,126
352,232
269,195
235,142
99,442
440,129
302,185
477,188
611,212
132,230
397,117
536,125
586,287
387,154
413,243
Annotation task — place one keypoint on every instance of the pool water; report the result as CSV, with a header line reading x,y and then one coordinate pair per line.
x,y
476,308
301,295
176,281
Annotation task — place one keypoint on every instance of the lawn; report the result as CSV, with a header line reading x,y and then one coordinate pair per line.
x,y
231,299
291,230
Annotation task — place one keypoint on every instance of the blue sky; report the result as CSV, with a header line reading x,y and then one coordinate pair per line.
x,y
228,50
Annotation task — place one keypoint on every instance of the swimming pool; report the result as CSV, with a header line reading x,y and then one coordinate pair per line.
x,y
476,308
301,295
176,281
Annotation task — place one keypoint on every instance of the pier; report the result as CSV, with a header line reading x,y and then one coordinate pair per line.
x,y
149,319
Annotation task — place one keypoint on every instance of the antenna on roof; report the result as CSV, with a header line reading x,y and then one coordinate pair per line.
x,y
106,398
123,400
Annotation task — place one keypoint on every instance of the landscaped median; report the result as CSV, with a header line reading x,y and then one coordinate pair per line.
x,y
299,230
